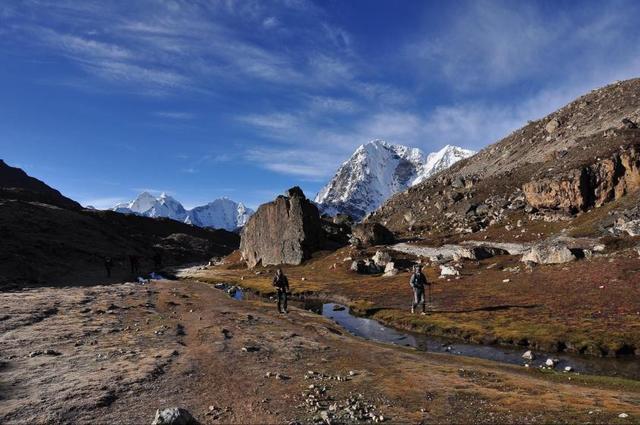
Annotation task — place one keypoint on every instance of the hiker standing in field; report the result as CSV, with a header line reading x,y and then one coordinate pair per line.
x,y
418,281
134,261
281,283
108,265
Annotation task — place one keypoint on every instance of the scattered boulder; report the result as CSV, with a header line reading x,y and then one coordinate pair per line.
x,y
552,125
371,234
365,267
551,362
343,219
528,355
631,227
549,253
448,271
371,267
174,416
457,182
358,266
381,258
390,269
285,231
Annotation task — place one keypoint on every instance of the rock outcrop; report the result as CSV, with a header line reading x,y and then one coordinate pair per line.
x,y
590,186
371,234
173,416
390,269
285,231
381,258
549,253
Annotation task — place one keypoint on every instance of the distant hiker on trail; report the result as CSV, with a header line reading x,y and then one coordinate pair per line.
x,y
418,281
281,283
108,264
134,260
157,261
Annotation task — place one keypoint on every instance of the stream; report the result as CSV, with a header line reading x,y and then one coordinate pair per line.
x,y
625,367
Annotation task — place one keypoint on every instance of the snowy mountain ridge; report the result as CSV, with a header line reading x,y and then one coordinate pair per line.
x,y
223,213
376,171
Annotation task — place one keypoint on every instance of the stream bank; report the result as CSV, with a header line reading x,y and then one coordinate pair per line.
x,y
625,367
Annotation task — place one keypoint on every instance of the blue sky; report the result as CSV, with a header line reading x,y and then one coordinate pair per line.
x,y
202,99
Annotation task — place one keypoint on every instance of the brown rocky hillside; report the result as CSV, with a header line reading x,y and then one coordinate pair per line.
x,y
579,166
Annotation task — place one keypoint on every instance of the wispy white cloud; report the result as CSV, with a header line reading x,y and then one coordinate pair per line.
x,y
151,191
103,203
270,22
272,121
169,46
298,162
495,43
176,115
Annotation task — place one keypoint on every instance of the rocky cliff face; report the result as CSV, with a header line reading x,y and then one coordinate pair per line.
x,y
285,231
592,185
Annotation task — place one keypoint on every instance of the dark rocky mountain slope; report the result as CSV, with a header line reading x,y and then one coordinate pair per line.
x,y
16,184
47,238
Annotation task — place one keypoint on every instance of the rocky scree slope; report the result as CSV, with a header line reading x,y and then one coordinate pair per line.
x,y
581,157
376,171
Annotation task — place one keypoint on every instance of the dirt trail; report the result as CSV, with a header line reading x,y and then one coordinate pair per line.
x,y
114,354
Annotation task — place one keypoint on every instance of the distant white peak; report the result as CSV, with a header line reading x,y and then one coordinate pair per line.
x,y
222,213
376,171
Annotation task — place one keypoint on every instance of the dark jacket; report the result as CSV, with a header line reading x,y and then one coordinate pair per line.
x,y
281,282
418,280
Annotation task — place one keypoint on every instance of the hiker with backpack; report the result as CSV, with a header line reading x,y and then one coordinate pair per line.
x,y
281,283
418,281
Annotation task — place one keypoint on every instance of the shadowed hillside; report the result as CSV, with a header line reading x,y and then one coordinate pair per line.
x,y
48,238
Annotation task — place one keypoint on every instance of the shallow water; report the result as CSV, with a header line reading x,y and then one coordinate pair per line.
x,y
371,329
627,367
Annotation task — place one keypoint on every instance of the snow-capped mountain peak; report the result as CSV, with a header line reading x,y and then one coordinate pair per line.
x,y
143,202
222,213
376,171
441,160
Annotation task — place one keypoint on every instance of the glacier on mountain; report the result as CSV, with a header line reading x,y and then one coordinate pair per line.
x,y
222,213
376,171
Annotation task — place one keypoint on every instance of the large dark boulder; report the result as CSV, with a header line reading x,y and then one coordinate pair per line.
x,y
371,234
285,231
